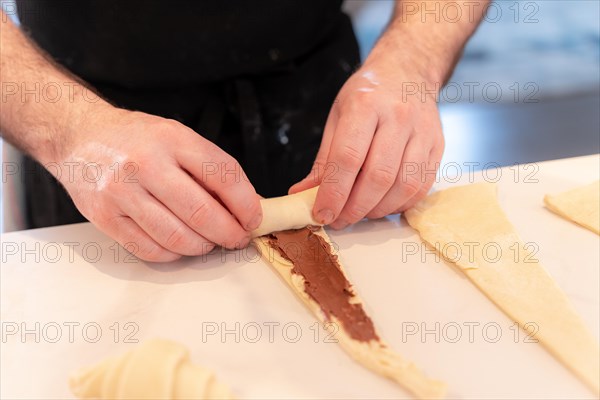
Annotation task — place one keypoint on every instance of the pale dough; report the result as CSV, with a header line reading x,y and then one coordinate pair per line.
x,y
580,205
157,369
374,355
287,212
457,218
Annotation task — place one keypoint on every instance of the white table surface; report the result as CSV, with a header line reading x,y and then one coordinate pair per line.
x,y
187,300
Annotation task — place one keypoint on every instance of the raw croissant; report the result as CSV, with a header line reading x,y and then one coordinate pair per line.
x,y
158,369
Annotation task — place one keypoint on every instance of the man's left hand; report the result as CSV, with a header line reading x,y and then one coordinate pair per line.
x,y
381,146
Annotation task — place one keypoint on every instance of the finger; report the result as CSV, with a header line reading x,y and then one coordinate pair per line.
x,y
221,174
318,171
347,153
377,176
163,226
187,202
408,181
133,239
434,161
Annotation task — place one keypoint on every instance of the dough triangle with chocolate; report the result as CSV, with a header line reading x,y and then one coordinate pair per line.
x,y
305,260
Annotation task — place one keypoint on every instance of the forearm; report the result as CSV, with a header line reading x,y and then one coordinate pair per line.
x,y
42,105
427,37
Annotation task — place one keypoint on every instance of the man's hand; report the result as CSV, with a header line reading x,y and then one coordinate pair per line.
x,y
380,149
383,140
156,186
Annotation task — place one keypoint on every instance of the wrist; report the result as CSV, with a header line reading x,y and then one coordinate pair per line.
x,y
418,59
69,128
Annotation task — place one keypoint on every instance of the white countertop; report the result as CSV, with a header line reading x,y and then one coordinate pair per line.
x,y
77,292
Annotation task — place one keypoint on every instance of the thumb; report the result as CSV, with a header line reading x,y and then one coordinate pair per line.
x,y
311,180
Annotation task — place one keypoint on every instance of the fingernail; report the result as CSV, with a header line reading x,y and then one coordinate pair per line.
x,y
325,216
254,223
243,244
341,225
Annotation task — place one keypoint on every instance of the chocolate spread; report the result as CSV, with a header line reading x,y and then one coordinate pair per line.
x,y
324,281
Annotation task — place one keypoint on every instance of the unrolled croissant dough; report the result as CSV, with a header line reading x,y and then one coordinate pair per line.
x,y
158,369
375,355
287,212
580,205
515,282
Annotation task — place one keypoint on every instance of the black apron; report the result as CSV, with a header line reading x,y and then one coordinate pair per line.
x,y
255,77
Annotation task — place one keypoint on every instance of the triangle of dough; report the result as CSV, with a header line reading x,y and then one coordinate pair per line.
x,y
374,354
580,205
514,281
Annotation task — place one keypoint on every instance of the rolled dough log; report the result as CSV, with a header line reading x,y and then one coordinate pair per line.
x,y
374,354
287,212
518,285
158,369
580,205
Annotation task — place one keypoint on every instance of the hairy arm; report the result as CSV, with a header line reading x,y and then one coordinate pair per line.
x,y
42,104
429,36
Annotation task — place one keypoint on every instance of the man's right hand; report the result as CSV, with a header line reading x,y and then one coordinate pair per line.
x,y
156,186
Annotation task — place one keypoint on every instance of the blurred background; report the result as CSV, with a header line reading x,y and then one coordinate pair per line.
x,y
527,88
